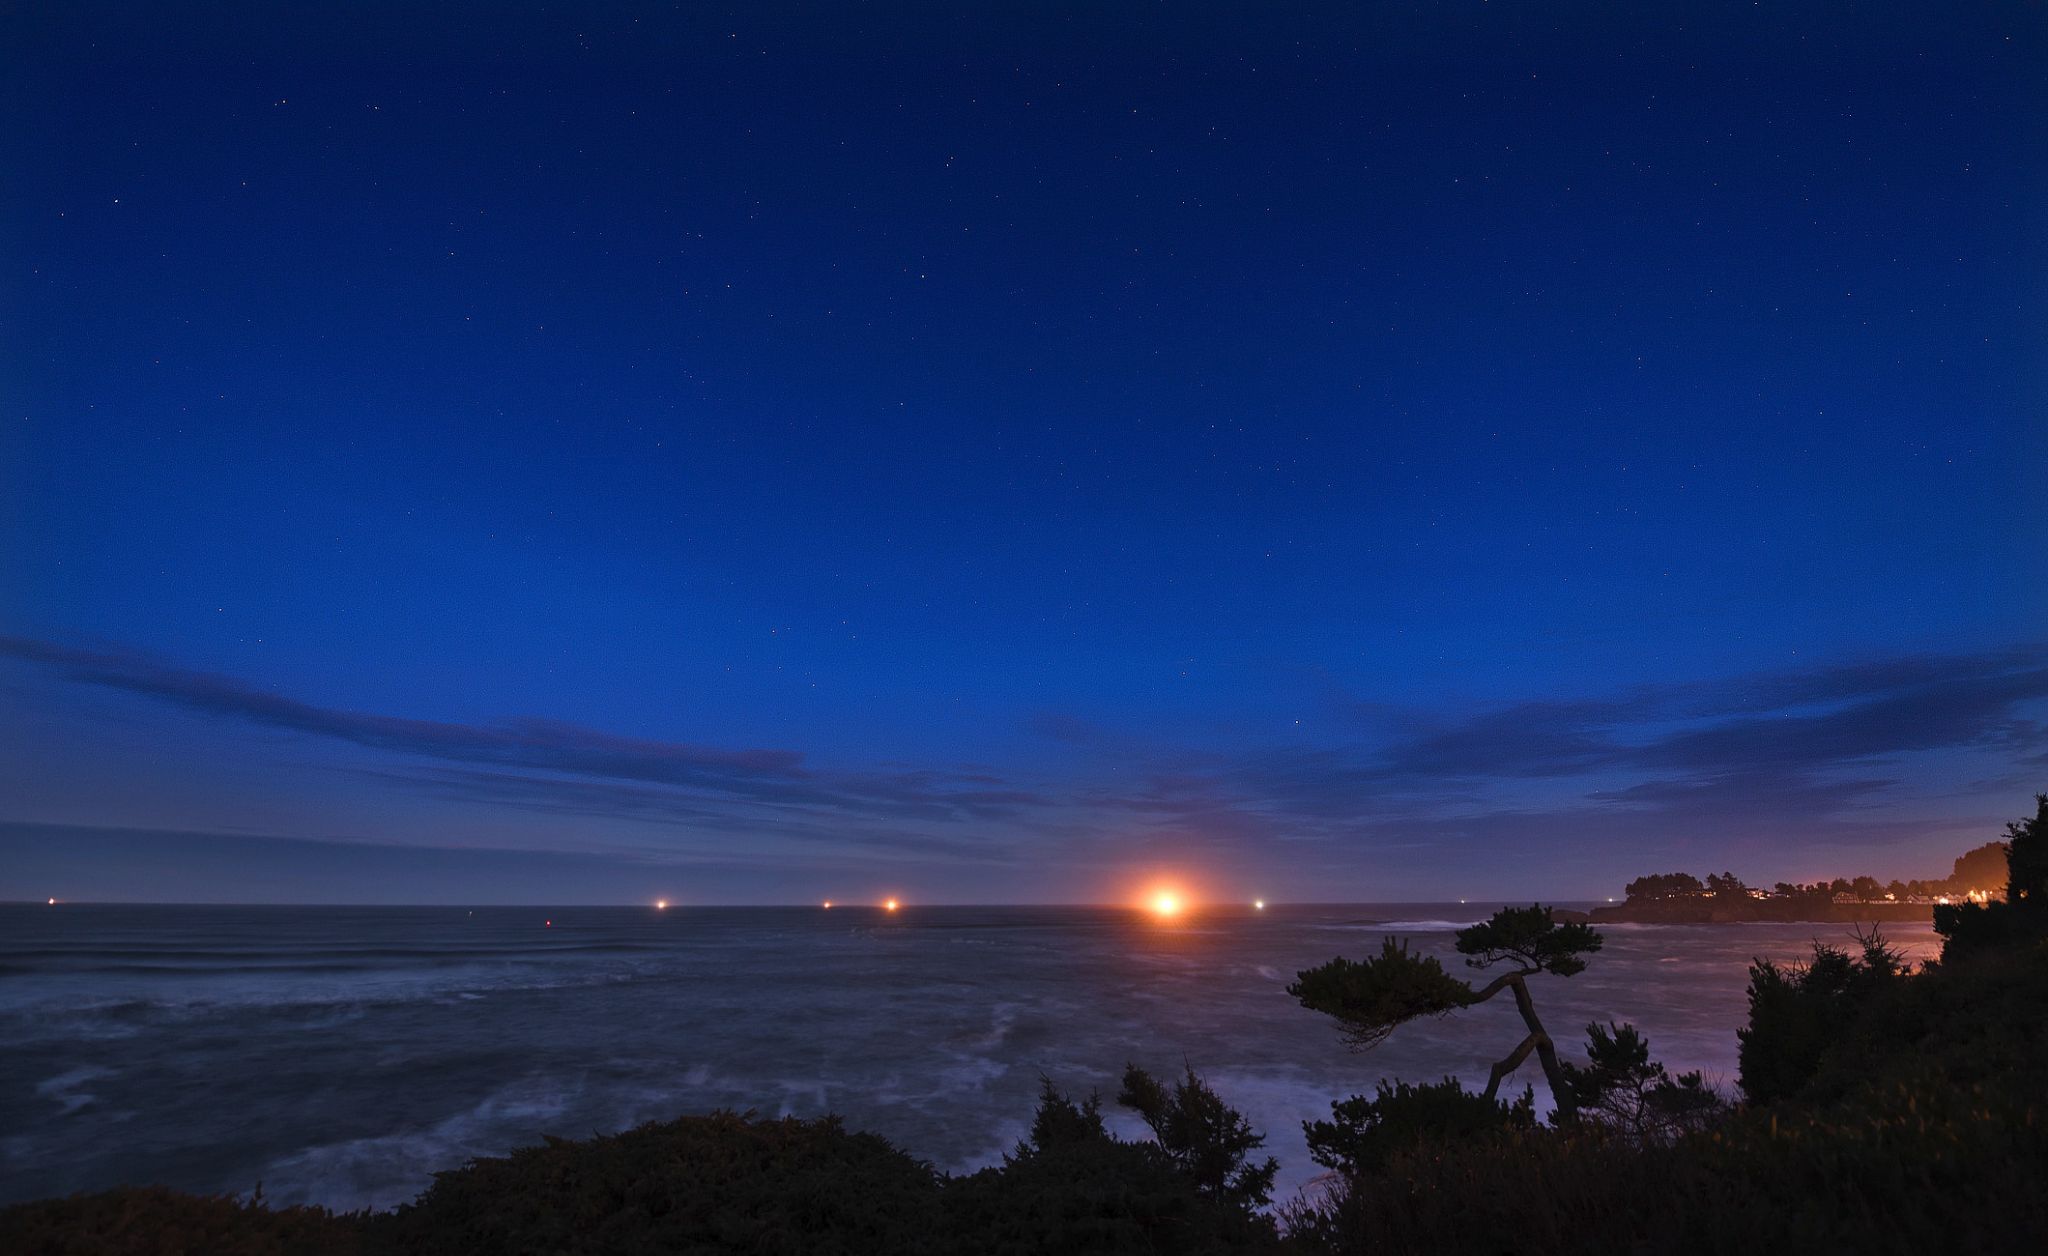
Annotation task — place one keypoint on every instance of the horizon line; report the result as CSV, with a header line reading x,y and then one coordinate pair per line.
x,y
813,904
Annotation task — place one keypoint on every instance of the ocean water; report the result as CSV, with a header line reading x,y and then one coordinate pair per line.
x,y
343,1055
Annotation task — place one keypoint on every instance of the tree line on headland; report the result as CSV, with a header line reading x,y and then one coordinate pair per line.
x,y
1682,898
1880,1109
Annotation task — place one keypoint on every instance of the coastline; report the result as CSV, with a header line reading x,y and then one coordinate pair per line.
x,y
1753,911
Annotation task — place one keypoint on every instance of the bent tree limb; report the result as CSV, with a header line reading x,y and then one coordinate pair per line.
x,y
1537,1041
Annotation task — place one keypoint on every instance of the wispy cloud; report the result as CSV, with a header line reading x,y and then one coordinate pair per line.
x,y
1809,752
1821,755
547,764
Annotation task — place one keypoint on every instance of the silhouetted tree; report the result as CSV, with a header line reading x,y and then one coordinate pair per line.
x,y
1971,927
1370,998
1798,1011
1985,868
1207,1140
1621,1087
1866,888
1364,1132
1072,1186
1727,885
1664,885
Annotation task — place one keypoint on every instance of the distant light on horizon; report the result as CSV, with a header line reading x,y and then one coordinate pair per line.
x,y
1258,904
828,904
1166,903
889,905
661,904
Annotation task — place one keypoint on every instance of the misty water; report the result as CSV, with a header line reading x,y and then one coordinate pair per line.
x,y
343,1055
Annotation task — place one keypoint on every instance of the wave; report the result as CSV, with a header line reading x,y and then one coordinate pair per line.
x,y
64,1087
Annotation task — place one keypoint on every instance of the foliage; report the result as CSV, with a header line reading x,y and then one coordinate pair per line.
x,y
1797,1012
1622,1088
1978,1024
1364,1134
1924,1127
1664,885
1532,939
710,1184
1911,1168
1369,998
729,1184
1072,1187
1972,928
157,1221
1726,884
1986,866
1060,1122
1207,1140
1979,869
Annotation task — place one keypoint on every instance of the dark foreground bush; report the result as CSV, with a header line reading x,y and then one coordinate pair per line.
x,y
1917,1122
1912,1170
1363,1134
710,1184
728,1185
1071,1187
156,1221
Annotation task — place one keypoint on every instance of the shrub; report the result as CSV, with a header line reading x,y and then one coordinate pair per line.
x,y
1798,1012
1365,1133
1975,928
1622,1088
158,1221
723,1183
1914,1169
1208,1141
1073,1187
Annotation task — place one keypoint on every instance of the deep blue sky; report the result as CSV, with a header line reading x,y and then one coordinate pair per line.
x,y
1016,452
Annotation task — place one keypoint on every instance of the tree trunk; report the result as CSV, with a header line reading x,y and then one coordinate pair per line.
x,y
1537,1041
1546,1053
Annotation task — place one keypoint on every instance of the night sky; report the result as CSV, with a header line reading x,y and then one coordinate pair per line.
x,y
1016,452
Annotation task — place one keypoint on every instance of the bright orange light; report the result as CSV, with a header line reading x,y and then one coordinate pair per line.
x,y
889,905
1258,904
1166,903
661,904
828,904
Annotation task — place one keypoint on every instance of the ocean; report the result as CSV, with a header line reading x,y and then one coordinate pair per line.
x,y
343,1055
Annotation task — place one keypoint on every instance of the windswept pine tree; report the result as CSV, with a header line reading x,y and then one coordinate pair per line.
x,y
1370,998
